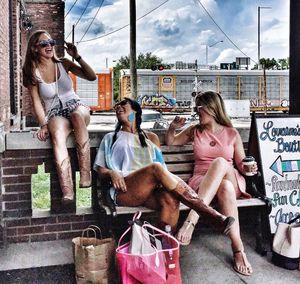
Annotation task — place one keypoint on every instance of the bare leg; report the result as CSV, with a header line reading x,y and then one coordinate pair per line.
x,y
227,202
60,129
80,118
220,180
140,186
168,206
218,170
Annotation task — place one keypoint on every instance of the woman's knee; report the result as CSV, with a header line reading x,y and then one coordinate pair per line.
x,y
226,190
169,201
156,169
220,162
79,117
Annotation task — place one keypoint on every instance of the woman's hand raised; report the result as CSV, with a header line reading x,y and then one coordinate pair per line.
x,y
177,122
71,49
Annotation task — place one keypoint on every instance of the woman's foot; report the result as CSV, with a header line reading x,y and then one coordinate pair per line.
x,y
241,263
185,233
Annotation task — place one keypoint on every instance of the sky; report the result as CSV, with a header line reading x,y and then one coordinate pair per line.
x,y
179,30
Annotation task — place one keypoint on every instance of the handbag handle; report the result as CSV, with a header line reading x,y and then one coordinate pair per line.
x,y
87,230
98,229
161,231
294,220
136,216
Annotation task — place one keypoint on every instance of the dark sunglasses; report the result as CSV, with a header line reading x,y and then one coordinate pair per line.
x,y
197,108
121,103
44,43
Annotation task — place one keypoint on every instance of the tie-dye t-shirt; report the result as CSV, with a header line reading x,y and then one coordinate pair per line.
x,y
126,155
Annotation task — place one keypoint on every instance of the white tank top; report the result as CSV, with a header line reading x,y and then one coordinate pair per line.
x,y
64,86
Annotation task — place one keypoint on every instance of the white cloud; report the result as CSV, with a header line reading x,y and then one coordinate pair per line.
x,y
180,29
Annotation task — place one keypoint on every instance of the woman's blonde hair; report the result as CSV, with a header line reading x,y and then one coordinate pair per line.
x,y
213,104
32,59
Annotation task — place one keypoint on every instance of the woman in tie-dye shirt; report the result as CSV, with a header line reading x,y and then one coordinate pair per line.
x,y
131,162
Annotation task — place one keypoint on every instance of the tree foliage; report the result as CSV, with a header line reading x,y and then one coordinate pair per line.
x,y
144,61
279,64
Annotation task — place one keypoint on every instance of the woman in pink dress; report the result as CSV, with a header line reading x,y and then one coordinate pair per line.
x,y
217,148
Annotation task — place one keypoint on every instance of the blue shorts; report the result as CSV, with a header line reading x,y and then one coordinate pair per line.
x,y
113,195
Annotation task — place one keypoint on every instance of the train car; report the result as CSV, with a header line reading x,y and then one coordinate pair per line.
x,y
159,89
96,94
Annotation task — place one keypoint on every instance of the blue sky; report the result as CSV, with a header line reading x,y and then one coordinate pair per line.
x,y
180,30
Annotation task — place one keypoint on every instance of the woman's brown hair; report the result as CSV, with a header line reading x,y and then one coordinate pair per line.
x,y
213,104
32,59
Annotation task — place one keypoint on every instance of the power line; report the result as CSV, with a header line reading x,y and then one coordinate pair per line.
x,y
91,22
224,32
123,27
80,17
71,8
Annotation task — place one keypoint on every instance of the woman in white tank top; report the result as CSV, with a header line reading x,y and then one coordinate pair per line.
x,y
57,108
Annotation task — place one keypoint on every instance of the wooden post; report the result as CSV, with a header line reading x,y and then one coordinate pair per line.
x,y
294,98
265,90
133,73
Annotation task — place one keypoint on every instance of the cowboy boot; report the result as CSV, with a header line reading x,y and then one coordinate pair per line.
x,y
84,161
64,172
191,199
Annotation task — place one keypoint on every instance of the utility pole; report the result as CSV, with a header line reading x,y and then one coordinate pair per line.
x,y
258,34
73,37
133,73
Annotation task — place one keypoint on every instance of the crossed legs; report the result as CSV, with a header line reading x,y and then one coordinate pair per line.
x,y
142,183
220,181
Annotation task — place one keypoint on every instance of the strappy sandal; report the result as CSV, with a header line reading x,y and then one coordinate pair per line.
x,y
184,229
246,268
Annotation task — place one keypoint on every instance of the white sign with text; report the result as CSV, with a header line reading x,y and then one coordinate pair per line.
x,y
279,143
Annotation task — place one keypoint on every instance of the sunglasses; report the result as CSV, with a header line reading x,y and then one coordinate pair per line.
x,y
197,108
44,43
121,103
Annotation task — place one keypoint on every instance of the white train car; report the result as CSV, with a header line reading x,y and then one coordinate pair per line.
x,y
158,89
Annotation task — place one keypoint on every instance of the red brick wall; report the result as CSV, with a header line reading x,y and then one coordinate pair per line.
x,y
21,224
46,15
4,65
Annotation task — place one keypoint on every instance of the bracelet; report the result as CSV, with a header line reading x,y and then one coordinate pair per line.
x,y
41,126
78,58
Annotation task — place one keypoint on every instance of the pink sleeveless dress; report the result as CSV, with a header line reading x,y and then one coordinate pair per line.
x,y
207,147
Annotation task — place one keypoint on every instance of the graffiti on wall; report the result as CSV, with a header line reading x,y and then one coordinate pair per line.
x,y
270,103
156,100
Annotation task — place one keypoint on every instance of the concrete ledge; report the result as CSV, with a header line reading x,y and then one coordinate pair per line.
x,y
25,140
39,254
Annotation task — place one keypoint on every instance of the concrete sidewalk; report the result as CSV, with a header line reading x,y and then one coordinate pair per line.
x,y
208,259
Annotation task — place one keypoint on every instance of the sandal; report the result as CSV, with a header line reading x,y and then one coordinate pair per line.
x,y
184,235
245,268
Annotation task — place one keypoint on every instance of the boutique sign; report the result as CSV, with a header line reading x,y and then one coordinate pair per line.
x,y
279,149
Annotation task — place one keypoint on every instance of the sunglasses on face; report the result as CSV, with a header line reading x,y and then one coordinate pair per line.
x,y
121,103
44,43
197,108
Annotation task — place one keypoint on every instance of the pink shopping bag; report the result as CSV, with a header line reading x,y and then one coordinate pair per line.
x,y
160,266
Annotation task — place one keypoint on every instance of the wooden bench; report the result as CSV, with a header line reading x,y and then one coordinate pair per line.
x,y
180,161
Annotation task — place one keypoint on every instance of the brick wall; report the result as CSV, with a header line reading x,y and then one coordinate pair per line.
x,y
4,65
20,222
46,15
